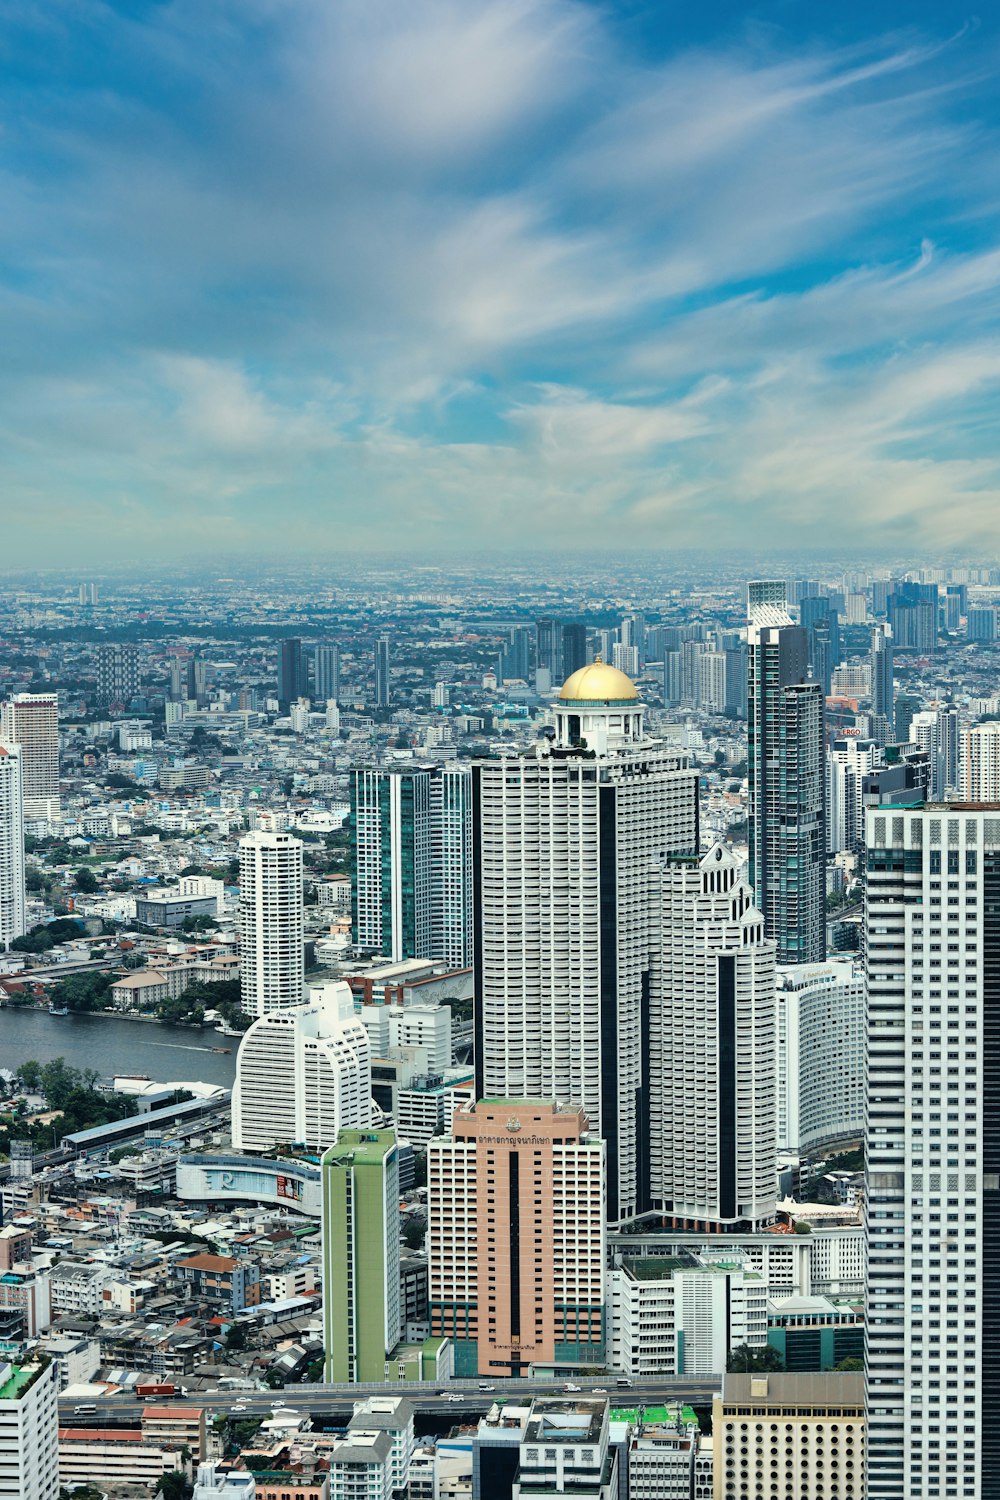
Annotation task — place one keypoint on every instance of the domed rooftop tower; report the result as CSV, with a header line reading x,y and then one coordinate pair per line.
x,y
599,709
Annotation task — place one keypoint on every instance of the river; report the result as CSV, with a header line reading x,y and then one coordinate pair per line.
x,y
109,1045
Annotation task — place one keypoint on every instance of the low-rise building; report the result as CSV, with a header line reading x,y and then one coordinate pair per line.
x,y
683,1316
233,1283
565,1449
361,1467
109,1457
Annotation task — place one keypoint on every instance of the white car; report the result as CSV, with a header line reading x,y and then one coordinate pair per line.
x,y
569,1386
599,1390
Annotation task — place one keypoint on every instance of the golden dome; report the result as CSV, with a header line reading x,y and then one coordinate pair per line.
x,y
598,683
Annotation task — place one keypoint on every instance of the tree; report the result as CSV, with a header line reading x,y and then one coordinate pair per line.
x,y
82,991
29,1076
173,1486
85,880
850,1363
413,1234
236,1336
747,1360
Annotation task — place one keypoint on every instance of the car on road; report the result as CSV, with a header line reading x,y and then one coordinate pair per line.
x,y
599,1390
569,1386
487,1387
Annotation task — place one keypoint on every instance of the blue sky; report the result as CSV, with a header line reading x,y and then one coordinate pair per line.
x,y
331,275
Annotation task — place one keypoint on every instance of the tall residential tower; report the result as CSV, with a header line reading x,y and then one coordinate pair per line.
x,y
564,845
13,921
932,1198
272,944
786,776
31,720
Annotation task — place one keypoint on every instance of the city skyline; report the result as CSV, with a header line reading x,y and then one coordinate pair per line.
x,y
460,273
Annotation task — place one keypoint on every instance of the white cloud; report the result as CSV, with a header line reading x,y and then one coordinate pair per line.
x,y
469,268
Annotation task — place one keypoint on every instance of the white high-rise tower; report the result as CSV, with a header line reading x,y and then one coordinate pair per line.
x,y
31,720
13,921
564,847
303,1074
272,955
712,1048
932,1198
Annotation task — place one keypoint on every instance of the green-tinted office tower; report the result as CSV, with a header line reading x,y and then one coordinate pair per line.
x,y
361,1307
411,850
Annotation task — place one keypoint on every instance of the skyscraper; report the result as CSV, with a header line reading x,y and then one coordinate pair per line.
x,y
563,846
390,825
117,674
549,647
882,675
980,762
786,777
821,1054
936,731
848,762
272,951
291,674
303,1074
766,593
362,1319
821,620
13,922
326,673
29,1430
516,1237
574,648
711,1040
451,864
411,830
382,692
515,662
31,720
932,1201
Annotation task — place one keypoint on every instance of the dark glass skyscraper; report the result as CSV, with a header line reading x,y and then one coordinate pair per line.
x,y
574,648
382,672
291,676
550,647
881,669
787,793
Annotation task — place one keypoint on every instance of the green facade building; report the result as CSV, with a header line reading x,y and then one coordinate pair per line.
x,y
361,1300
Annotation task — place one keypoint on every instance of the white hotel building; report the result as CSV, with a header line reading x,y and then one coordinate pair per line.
x,y
564,847
711,1047
303,1074
932,928
13,916
271,921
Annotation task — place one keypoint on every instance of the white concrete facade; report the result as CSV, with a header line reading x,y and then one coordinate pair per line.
x,y
932,923
821,1053
271,922
29,1432
303,1074
13,911
712,1064
31,720
564,846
